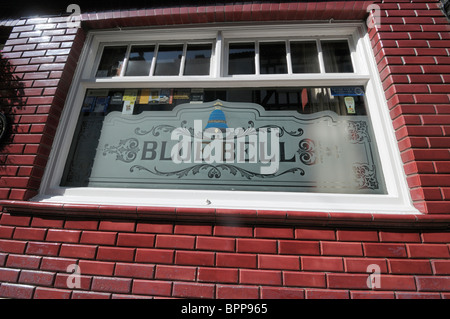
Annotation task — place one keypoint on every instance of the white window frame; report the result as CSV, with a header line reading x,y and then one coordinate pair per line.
x,y
397,200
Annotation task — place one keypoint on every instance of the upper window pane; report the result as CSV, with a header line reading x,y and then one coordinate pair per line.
x,y
241,59
336,56
169,59
198,59
272,58
140,60
112,61
304,57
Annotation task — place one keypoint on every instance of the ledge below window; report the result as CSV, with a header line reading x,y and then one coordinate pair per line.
x,y
229,216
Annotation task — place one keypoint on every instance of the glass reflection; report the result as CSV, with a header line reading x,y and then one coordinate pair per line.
x,y
112,61
336,56
198,59
272,57
169,59
304,57
241,58
140,60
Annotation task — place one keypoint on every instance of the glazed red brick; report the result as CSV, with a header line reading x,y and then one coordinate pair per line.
x,y
341,249
175,241
91,267
16,291
100,238
194,258
310,263
260,277
234,231
326,255
184,273
193,290
159,256
215,243
152,287
9,275
281,293
115,253
59,235
39,278
398,266
23,261
107,284
278,262
89,295
223,275
62,279
256,245
326,294
390,250
56,264
78,251
237,292
154,228
298,247
304,279
29,233
43,248
236,260
347,281
428,250
136,240
361,265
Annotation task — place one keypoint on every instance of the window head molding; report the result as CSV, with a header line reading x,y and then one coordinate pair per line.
x,y
396,199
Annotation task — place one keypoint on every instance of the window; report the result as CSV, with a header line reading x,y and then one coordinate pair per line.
x,y
155,60
281,117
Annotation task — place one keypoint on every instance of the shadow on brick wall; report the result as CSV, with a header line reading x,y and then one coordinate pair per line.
x,y
11,99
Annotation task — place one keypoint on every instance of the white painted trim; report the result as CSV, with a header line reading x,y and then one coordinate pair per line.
x,y
397,201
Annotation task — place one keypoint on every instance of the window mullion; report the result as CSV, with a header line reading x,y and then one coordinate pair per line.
x,y
153,66
257,65
321,60
218,61
125,61
183,59
288,57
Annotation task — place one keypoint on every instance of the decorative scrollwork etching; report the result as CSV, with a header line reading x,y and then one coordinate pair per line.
x,y
282,130
307,150
365,176
214,171
126,151
163,128
358,132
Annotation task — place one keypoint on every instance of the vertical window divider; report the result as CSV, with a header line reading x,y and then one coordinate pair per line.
x,y
218,64
183,59
125,61
155,55
257,68
288,57
321,60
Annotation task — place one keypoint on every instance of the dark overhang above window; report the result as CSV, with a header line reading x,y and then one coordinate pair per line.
x,y
31,8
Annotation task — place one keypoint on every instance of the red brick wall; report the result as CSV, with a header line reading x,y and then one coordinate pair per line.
x,y
412,51
125,258
261,254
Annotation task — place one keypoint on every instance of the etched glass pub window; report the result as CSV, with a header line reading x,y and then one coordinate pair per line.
x,y
312,139
267,117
